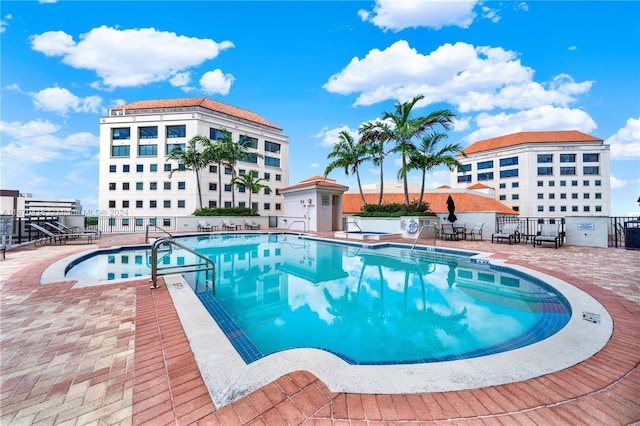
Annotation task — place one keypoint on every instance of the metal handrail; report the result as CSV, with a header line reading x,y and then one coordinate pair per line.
x,y
195,267
146,235
347,230
422,227
304,227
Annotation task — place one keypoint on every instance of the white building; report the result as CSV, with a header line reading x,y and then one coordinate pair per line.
x,y
17,204
541,174
135,140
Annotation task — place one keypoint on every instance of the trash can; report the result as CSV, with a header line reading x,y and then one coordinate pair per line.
x,y
632,235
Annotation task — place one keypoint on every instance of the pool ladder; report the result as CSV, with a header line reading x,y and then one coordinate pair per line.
x,y
205,263
422,228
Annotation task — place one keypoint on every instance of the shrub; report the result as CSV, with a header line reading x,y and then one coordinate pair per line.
x,y
228,211
395,210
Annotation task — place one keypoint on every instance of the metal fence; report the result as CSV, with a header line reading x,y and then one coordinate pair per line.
x,y
617,225
528,227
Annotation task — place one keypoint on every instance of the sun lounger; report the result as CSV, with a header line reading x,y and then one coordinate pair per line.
x,y
226,225
204,226
78,230
476,230
249,224
59,238
509,232
549,233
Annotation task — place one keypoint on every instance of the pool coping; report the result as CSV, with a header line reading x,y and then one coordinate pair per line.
x,y
228,378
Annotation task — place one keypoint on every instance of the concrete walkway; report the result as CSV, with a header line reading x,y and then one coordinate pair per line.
x,y
117,354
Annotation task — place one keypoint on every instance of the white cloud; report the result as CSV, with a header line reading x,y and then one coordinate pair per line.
x,y
471,78
536,119
616,183
314,165
5,22
625,144
36,142
181,79
329,137
396,15
115,55
61,101
215,81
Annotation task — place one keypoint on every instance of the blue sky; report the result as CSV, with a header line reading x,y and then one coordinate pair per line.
x,y
314,69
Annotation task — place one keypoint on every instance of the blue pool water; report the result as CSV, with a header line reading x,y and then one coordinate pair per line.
x,y
366,305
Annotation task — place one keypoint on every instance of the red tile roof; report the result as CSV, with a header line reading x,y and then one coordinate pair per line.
x,y
530,137
478,186
319,181
201,102
463,201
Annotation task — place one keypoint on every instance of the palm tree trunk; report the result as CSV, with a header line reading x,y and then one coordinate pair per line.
x,y
424,173
406,184
219,185
381,183
233,188
199,191
364,202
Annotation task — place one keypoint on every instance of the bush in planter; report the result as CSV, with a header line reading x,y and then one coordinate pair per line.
x,y
395,210
228,211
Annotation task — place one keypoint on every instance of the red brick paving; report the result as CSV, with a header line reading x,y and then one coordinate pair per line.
x,y
117,354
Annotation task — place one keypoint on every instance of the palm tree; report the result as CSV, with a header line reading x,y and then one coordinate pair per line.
x,y
401,128
425,157
251,182
217,157
348,155
374,140
231,153
193,158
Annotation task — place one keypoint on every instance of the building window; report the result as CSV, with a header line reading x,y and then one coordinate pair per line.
x,y
485,165
270,161
563,196
503,185
464,168
585,183
574,183
139,221
217,134
213,186
139,168
267,206
254,206
267,176
464,178
153,204
138,204
511,161
552,183
227,187
591,170
112,168
167,167
241,188
171,147
179,131
125,168
182,185
153,186
181,204
112,186
574,208
242,204
272,147
147,150
277,191
509,173
278,206
515,184
121,133
139,186
545,158
515,196
503,197
166,204
267,191
598,208
574,196
540,196
567,158
153,167
540,208
563,208
545,171
598,182
563,183
227,170
586,195
540,183
213,169
515,208
598,195
150,132
166,222
586,208
485,176
125,222
590,158
552,208
552,196
213,203
278,178
112,204
125,186
120,151
227,204
567,171
248,141
242,172
167,185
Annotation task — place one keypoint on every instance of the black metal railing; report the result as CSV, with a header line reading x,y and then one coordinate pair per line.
x,y
529,227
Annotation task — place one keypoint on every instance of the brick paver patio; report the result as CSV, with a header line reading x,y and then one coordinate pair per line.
x,y
117,354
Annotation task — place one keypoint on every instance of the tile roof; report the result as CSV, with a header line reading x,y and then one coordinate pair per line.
x,y
464,202
565,136
201,102
478,186
318,181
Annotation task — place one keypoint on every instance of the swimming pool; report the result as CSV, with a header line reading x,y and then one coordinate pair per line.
x,y
367,305
228,376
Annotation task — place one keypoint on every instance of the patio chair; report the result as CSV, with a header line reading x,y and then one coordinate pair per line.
x,y
228,226
204,226
476,230
249,224
78,229
509,232
447,232
548,233
59,238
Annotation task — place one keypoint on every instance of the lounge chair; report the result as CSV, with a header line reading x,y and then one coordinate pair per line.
x,y
228,226
249,224
476,230
447,232
204,226
509,232
548,233
79,230
59,238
